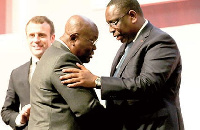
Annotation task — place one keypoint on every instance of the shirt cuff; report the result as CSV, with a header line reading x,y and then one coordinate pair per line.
x,y
18,121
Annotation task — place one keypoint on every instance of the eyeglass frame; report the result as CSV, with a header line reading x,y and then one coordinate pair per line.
x,y
111,24
93,42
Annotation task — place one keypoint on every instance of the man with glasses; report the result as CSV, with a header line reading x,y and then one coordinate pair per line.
x,y
55,106
143,90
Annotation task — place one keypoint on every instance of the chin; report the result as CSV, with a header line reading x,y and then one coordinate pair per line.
x,y
123,41
38,54
86,61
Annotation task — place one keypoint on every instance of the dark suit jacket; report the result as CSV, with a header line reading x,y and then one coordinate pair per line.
x,y
18,93
55,106
145,93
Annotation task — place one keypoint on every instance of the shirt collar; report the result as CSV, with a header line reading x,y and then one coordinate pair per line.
x,y
34,59
63,43
145,23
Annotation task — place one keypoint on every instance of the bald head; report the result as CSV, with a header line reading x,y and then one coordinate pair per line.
x,y
80,35
79,24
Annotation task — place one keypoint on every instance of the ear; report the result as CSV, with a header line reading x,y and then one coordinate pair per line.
x,y
133,15
52,38
73,37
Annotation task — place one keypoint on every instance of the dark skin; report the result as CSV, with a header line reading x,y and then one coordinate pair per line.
x,y
79,77
83,77
78,39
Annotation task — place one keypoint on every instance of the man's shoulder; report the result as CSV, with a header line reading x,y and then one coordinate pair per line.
x,y
21,67
157,31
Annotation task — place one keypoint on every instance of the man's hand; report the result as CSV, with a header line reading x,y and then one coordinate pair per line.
x,y
23,116
78,77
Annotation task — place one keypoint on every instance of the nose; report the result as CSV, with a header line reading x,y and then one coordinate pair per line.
x,y
111,29
36,39
94,47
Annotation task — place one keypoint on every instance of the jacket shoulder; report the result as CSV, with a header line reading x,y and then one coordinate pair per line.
x,y
22,67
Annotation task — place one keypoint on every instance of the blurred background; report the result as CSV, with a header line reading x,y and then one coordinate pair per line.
x,y
179,18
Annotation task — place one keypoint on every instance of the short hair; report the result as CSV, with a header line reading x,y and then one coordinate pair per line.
x,y
41,20
126,5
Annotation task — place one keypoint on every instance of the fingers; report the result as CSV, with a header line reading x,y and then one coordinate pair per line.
x,y
26,110
74,70
71,70
82,67
26,107
70,81
68,76
25,113
73,85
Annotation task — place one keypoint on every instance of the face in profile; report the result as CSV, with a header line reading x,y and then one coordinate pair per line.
x,y
119,24
84,43
39,38
86,47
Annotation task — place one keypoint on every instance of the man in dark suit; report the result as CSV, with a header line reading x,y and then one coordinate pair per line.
x,y
40,35
143,90
55,106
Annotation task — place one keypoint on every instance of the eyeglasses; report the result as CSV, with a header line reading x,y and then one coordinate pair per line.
x,y
111,24
91,41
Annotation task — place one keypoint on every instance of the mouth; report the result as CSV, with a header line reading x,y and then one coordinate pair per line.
x,y
91,55
119,37
37,47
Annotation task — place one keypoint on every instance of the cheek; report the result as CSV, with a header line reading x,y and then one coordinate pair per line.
x,y
88,50
46,43
85,52
83,47
117,30
29,42
31,47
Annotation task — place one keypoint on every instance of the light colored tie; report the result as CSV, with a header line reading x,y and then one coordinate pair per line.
x,y
32,69
122,59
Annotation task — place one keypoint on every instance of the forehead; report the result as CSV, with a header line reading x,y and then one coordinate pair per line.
x,y
111,13
90,32
35,28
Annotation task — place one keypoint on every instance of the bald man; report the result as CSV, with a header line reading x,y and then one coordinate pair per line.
x,y
55,106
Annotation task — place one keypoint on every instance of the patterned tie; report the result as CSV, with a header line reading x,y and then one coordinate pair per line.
x,y
122,59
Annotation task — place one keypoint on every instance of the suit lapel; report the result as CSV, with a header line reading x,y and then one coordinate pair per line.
x,y
117,58
25,71
136,46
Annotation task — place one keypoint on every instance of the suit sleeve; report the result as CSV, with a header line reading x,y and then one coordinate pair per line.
x,y
10,109
156,63
81,100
